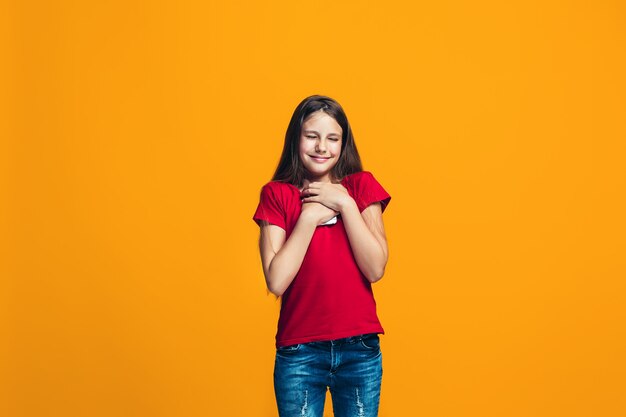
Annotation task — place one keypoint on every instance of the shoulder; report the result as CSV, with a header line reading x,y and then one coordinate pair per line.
x,y
358,179
278,187
277,203
355,176
278,191
365,189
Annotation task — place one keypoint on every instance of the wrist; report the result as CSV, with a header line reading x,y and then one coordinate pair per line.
x,y
307,219
347,203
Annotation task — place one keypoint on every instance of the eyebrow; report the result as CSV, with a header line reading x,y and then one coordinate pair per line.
x,y
318,133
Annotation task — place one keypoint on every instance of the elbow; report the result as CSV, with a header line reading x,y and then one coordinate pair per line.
x,y
376,269
275,289
278,281
276,292
376,275
273,284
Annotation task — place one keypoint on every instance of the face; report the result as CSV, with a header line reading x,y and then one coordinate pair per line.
x,y
320,145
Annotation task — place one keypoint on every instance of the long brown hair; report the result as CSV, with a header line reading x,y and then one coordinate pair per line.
x,y
290,168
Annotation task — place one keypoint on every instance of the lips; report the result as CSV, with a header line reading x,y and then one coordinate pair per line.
x,y
319,159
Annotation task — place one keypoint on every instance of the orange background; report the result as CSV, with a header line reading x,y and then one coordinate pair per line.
x,y
139,135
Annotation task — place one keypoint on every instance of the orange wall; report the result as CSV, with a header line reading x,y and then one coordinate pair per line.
x,y
139,135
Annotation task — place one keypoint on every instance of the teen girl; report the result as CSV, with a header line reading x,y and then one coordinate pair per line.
x,y
322,245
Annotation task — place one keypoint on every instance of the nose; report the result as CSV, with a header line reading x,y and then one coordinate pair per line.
x,y
321,146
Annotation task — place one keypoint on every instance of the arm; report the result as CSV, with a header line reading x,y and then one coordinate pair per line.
x,y
282,259
368,241
365,230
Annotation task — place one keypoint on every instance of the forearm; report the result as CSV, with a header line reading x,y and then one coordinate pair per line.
x,y
287,261
370,254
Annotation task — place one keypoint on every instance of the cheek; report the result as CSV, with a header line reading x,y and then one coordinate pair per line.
x,y
302,147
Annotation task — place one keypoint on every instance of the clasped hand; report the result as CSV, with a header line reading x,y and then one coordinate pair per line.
x,y
333,196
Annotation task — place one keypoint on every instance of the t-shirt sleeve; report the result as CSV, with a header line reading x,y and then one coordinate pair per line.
x,y
270,208
369,191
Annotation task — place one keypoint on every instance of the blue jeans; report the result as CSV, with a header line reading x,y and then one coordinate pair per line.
x,y
350,367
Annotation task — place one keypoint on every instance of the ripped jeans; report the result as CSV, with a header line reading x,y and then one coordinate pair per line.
x,y
350,367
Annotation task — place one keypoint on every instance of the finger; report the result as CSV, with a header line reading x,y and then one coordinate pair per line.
x,y
308,191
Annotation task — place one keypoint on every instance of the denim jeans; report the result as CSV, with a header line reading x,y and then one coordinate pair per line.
x,y
350,367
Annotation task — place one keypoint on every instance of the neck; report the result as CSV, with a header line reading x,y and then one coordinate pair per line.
x,y
325,178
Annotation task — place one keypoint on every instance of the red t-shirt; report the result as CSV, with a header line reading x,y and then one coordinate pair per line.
x,y
329,298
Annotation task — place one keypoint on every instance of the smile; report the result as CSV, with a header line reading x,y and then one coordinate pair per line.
x,y
319,159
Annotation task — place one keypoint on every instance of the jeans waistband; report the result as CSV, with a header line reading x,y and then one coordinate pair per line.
x,y
351,339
